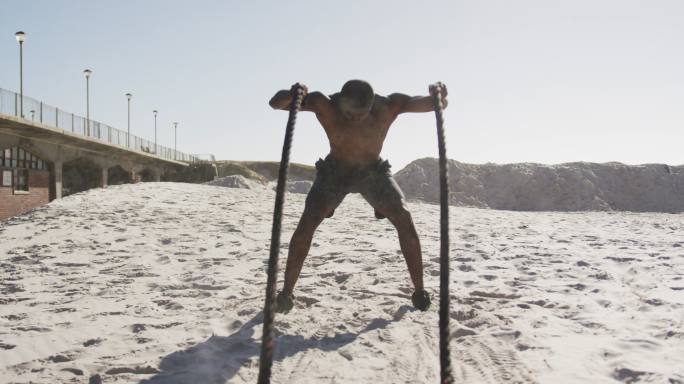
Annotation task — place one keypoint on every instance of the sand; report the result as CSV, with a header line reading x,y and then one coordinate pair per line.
x,y
164,283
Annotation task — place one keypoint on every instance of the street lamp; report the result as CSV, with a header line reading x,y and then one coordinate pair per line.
x,y
128,137
155,131
87,73
175,140
21,36
33,115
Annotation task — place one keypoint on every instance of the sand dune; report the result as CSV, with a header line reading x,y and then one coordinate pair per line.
x,y
164,282
562,187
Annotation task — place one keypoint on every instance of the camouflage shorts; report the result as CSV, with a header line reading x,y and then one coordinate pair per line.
x,y
375,183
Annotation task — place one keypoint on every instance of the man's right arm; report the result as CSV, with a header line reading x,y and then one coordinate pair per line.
x,y
401,103
313,102
281,100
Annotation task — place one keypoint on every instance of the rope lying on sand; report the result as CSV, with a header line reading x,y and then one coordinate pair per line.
x,y
436,91
267,339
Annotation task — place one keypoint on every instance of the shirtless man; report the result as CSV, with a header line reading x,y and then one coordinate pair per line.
x,y
356,121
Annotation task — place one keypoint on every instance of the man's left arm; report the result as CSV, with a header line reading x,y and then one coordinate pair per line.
x,y
402,103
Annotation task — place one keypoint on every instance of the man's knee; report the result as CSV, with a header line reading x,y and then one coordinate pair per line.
x,y
301,233
311,219
320,206
400,215
306,228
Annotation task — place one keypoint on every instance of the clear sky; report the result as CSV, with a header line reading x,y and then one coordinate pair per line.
x,y
529,80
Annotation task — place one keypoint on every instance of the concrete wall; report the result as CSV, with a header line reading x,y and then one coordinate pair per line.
x,y
12,204
194,173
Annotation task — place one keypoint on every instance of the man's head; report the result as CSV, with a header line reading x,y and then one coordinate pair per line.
x,y
356,99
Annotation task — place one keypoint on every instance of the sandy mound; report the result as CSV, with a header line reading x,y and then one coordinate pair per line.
x,y
301,186
264,171
563,187
163,283
269,169
235,181
228,168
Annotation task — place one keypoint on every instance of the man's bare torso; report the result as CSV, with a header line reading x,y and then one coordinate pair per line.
x,y
356,144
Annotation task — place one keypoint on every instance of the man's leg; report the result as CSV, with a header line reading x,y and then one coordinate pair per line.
x,y
319,204
300,243
409,243
384,195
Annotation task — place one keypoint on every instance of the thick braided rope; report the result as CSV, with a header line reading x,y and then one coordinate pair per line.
x,y
267,339
444,333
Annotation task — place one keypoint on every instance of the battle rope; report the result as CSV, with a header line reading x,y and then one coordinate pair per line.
x,y
267,339
444,334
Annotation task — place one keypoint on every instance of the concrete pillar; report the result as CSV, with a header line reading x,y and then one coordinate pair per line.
x,y
58,178
58,165
134,177
156,174
105,177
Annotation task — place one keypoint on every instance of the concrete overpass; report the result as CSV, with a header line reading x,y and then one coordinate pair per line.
x,y
54,137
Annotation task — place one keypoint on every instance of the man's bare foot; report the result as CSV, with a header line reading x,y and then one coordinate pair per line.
x,y
421,299
284,302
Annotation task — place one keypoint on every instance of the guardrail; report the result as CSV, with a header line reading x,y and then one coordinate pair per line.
x,y
40,112
205,157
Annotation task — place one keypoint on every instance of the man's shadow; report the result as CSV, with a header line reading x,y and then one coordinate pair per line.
x,y
220,358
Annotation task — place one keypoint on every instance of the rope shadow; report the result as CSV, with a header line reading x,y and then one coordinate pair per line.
x,y
220,358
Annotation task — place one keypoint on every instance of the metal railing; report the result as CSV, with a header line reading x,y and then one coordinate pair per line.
x,y
205,157
40,112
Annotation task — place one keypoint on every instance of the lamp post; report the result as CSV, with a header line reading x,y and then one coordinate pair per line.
x,y
87,73
33,115
155,131
21,36
175,140
128,136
